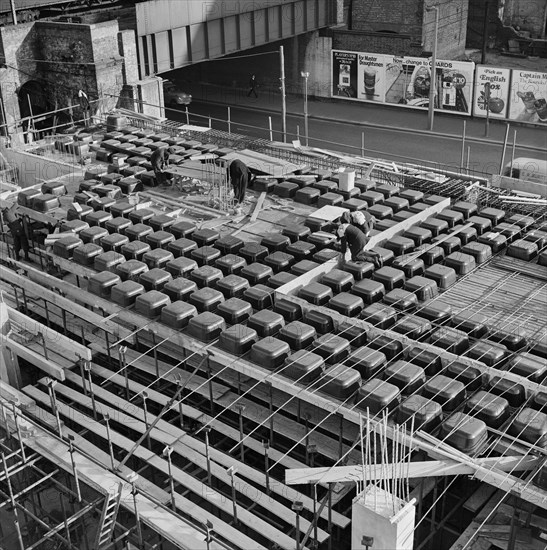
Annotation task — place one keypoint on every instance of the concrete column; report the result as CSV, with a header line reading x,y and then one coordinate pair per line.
x,y
387,519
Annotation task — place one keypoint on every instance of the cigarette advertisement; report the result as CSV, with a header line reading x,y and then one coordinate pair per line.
x,y
406,81
528,97
491,96
344,74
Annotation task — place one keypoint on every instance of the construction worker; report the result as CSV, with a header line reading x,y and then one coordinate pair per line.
x,y
159,160
20,241
239,178
361,219
355,239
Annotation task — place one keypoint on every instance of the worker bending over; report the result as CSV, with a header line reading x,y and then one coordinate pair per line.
x,y
240,177
354,233
160,160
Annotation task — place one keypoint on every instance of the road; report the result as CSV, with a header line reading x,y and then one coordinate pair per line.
x,y
341,126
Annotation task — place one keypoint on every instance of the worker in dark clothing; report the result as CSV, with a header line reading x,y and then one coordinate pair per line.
x,y
360,219
355,239
159,160
240,177
252,86
20,241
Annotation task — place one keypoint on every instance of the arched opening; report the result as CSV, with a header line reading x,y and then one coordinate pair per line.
x,y
33,101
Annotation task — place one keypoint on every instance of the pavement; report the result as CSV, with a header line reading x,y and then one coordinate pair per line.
x,y
371,115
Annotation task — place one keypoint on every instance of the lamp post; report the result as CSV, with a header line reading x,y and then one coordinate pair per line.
x,y
431,109
305,76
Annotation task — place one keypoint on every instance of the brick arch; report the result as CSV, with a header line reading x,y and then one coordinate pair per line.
x,y
34,92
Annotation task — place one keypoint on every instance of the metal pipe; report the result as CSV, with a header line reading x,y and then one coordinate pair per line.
x,y
283,95
207,429
505,139
106,417
74,470
433,78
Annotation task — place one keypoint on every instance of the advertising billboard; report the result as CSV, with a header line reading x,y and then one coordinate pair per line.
x,y
344,74
498,102
528,97
404,81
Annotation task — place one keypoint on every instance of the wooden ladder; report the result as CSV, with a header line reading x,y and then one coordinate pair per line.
x,y
108,519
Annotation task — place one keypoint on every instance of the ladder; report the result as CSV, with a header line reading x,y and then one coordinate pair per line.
x,y
108,519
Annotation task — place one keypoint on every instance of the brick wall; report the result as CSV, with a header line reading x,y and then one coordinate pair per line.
x,y
67,54
65,58
17,49
529,15
405,28
376,42
452,32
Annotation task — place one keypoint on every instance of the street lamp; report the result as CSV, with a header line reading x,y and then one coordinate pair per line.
x,y
431,109
305,76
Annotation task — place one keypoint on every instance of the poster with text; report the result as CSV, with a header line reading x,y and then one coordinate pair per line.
x,y
408,82
344,74
371,82
528,97
499,80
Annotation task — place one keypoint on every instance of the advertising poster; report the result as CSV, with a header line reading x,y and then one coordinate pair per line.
x,y
344,74
403,81
499,80
528,97
408,81
371,77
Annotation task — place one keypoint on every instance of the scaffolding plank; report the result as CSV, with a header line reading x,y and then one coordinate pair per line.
x,y
200,489
97,476
193,413
65,346
186,446
226,460
432,468
253,411
68,305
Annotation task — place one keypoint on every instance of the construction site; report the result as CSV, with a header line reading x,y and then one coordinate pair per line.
x,y
181,372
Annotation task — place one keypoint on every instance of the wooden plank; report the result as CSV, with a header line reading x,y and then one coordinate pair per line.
x,y
258,206
33,214
227,431
293,287
328,213
254,412
70,348
210,494
63,303
71,266
433,468
96,475
23,351
402,226
286,385
265,164
186,446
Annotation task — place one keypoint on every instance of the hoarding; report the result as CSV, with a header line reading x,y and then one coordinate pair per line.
x,y
344,74
498,103
528,97
403,81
